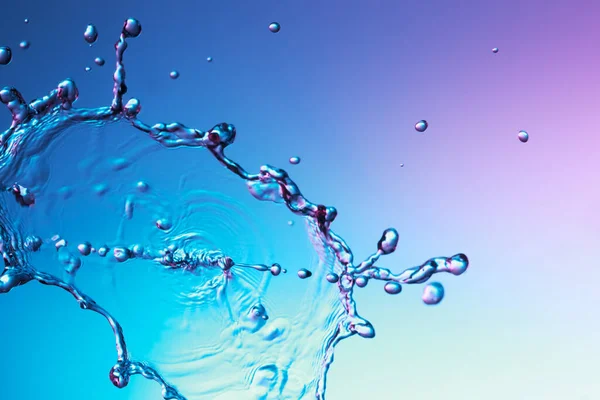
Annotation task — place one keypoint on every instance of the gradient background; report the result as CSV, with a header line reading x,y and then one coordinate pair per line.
x,y
342,86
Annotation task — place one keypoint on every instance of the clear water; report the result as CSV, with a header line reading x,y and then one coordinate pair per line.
x,y
269,358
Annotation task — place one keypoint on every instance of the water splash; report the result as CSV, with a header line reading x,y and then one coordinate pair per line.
x,y
36,124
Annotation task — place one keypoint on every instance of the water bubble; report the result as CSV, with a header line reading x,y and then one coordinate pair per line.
x,y
303,273
523,136
392,288
295,160
5,55
361,281
91,34
332,278
88,69
421,126
24,44
495,50
174,74
164,224
388,242
274,27
99,61
85,248
132,27
209,59
433,293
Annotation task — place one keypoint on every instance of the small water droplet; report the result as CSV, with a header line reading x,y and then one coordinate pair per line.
x,y
142,186
26,20
121,254
523,136
103,251
132,27
274,27
85,248
290,223
304,273
401,165
332,278
361,281
164,224
392,288
99,61
5,55
495,50
388,242
24,44
209,59
433,293
91,34
88,69
295,160
421,126
174,74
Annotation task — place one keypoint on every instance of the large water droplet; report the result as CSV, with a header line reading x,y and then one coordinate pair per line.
x,y
392,288
421,126
523,136
174,74
495,50
274,27
275,269
91,34
24,44
304,273
132,27
5,55
332,278
361,281
295,160
99,61
433,293
388,242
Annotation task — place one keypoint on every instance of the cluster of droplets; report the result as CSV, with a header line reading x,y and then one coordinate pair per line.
x,y
269,184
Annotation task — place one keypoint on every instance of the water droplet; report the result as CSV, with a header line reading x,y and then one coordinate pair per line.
x,y
304,273
164,224
332,278
101,189
142,186
33,243
132,27
495,50
99,61
60,243
103,251
290,223
24,44
388,242
174,74
523,136
26,20
85,248
275,269
392,288
209,59
433,293
421,126
5,55
91,34
361,281
121,254
274,27
295,160
88,69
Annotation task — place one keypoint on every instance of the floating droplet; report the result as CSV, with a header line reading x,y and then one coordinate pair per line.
x,y
495,50
332,278
60,243
99,61
101,189
24,44
26,20
361,281
85,248
401,165
91,34
121,254
103,251
274,27
164,224
304,273
132,27
209,59
523,136
33,243
290,223
421,126
433,293
142,186
388,242
88,69
275,269
174,74
392,288
5,55
295,160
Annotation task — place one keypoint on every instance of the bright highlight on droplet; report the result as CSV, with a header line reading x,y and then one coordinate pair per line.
x,y
433,293
90,34
209,59
523,136
174,74
274,27
5,55
421,126
24,44
495,50
26,20
295,160
88,69
99,61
